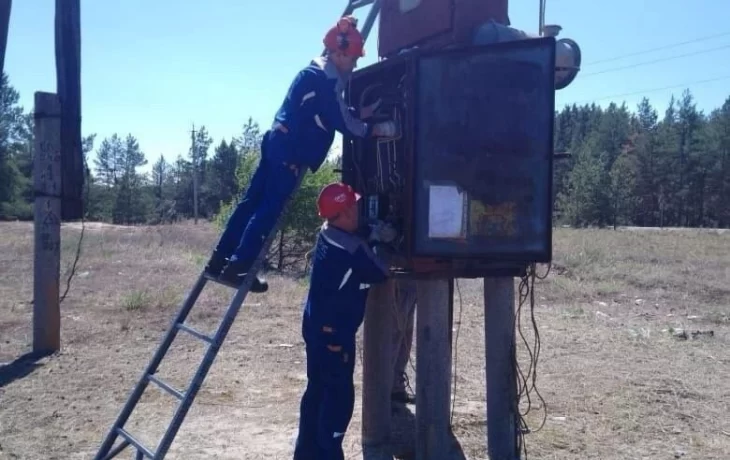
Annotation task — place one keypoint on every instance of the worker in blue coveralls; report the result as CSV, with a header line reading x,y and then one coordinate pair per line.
x,y
300,138
343,268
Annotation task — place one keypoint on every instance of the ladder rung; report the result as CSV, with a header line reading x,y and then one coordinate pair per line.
x,y
193,332
210,277
135,443
219,281
166,387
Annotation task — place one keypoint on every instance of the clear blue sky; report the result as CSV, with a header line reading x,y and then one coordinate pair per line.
x,y
153,68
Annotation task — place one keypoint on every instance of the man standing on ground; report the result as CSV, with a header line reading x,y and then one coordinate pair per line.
x,y
343,268
302,134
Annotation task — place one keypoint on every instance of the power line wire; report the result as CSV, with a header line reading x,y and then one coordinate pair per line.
x,y
659,48
652,90
668,58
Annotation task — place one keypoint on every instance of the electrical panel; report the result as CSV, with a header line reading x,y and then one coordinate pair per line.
x,y
468,181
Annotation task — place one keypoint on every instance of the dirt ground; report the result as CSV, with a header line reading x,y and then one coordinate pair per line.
x,y
628,367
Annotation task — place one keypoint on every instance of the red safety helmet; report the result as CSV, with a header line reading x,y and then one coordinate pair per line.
x,y
345,37
335,198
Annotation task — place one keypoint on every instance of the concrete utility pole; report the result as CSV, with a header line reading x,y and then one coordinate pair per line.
x,y
195,176
47,220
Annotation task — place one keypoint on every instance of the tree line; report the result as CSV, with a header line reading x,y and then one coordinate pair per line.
x,y
626,167
639,168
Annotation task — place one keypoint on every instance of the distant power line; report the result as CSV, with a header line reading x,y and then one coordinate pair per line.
x,y
653,90
660,48
668,58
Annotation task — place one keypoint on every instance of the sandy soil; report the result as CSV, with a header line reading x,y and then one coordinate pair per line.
x,y
619,380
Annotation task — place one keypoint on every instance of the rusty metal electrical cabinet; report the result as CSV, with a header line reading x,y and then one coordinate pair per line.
x,y
468,182
433,23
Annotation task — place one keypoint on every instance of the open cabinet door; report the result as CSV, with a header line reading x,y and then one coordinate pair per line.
x,y
483,152
406,22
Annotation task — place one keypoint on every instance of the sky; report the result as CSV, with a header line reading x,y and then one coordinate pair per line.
x,y
156,68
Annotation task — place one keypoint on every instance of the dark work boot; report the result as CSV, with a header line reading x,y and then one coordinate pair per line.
x,y
215,264
234,274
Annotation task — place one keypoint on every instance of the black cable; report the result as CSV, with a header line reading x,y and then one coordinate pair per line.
x,y
527,383
664,47
84,211
669,58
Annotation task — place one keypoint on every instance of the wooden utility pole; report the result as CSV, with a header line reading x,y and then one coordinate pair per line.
x,y
502,416
433,362
68,83
378,362
5,7
47,230
195,176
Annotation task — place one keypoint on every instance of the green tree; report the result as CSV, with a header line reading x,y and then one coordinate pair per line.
x,y
718,165
623,188
109,162
13,149
133,203
578,206
198,160
223,175
647,174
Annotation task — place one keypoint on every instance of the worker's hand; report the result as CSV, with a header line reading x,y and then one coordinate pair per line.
x,y
368,111
382,231
386,129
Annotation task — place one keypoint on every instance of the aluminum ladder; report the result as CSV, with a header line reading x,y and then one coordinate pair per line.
x,y
108,449
187,396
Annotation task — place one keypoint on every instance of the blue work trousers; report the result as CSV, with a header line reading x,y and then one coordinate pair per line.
x,y
257,213
327,404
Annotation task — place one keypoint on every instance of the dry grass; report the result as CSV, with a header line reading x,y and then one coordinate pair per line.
x,y
617,382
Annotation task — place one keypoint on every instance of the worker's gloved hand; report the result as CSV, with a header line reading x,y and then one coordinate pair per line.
x,y
386,129
382,231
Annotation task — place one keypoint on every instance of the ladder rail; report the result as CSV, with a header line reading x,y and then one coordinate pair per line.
x,y
151,368
214,346
222,332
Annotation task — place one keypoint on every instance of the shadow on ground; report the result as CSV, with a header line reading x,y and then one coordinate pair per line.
x,y
20,367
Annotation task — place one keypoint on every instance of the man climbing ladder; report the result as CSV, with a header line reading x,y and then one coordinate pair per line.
x,y
302,134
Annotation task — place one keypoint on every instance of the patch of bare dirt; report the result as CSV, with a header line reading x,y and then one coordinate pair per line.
x,y
617,381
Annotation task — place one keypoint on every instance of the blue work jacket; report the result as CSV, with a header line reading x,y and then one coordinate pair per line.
x,y
313,109
344,266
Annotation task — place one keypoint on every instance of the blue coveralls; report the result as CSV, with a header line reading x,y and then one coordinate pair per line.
x,y
302,134
344,267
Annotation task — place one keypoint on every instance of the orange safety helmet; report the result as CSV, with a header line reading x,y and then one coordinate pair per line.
x,y
345,37
335,198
